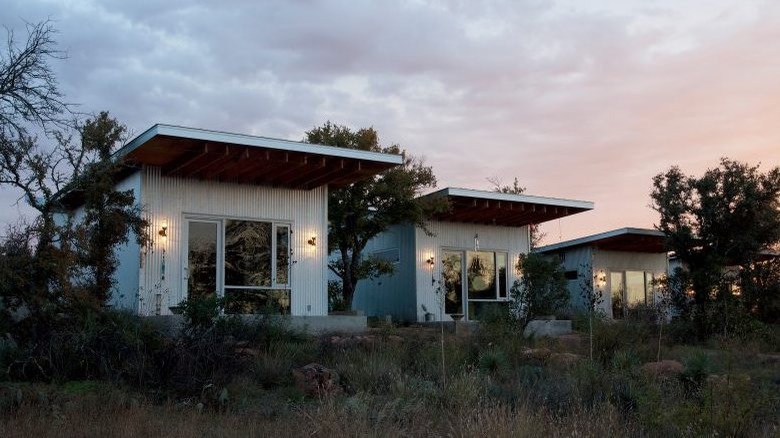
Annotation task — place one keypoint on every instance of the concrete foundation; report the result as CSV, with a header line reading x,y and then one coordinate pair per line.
x,y
547,327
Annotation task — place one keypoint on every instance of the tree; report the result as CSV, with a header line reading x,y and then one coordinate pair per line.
x,y
74,258
64,260
29,93
724,218
542,289
363,209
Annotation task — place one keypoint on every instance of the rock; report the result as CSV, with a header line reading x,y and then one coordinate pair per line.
x,y
541,354
664,368
317,380
199,407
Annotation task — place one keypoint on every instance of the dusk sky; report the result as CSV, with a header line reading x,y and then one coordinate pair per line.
x,y
578,99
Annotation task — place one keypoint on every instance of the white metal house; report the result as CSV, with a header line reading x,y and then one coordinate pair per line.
x,y
239,215
470,256
621,263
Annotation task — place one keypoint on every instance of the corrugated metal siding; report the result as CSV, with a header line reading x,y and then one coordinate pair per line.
x,y
125,290
390,295
609,261
448,235
578,259
169,200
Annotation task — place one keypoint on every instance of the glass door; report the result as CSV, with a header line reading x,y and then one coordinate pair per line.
x,y
201,273
452,273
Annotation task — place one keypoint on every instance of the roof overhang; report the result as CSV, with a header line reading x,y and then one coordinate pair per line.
x,y
494,208
222,156
623,239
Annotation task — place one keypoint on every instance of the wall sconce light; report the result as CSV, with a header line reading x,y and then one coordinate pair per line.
x,y
476,242
601,279
312,241
163,230
430,262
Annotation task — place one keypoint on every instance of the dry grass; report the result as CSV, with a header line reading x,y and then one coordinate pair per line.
x,y
394,388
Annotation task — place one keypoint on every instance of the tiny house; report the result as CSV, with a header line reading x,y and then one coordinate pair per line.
x,y
622,264
464,262
241,216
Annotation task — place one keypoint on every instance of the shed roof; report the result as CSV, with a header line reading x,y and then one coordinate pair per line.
x,y
622,239
494,208
216,155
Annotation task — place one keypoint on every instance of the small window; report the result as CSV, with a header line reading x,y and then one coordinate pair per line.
x,y
392,255
570,275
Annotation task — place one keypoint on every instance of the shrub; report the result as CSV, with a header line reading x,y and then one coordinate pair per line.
x,y
542,289
113,346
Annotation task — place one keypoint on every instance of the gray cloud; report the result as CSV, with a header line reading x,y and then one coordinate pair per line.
x,y
579,100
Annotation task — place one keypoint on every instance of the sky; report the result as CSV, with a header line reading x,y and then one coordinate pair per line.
x,y
578,100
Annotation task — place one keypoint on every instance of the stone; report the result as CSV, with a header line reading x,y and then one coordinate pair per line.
x,y
664,368
317,380
541,354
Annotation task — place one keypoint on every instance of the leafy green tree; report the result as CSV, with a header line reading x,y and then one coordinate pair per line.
x,y
56,162
726,217
542,289
74,259
362,210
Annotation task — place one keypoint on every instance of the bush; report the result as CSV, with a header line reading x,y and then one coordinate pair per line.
x,y
113,346
542,289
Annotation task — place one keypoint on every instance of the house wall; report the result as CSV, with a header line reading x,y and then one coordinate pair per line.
x,y
577,260
169,200
391,294
123,295
448,235
125,292
588,261
609,261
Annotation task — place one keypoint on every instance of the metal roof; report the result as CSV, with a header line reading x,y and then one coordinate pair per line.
x,y
621,239
216,155
495,208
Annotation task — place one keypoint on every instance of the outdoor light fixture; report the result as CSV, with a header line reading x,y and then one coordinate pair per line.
x,y
476,242
312,241
163,230
601,278
430,262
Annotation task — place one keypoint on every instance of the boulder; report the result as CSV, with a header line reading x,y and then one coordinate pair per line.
x,y
317,380
541,354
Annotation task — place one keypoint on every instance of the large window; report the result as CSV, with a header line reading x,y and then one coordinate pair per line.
x,y
478,276
254,273
629,289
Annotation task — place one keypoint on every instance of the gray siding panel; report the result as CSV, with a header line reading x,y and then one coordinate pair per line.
x,y
125,292
390,294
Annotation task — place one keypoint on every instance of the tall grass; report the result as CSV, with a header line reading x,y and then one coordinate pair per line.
x,y
394,386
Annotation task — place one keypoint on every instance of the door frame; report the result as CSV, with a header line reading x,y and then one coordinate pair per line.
x,y
184,277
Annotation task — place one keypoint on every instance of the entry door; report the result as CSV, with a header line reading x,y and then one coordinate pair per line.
x,y
202,275
452,272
